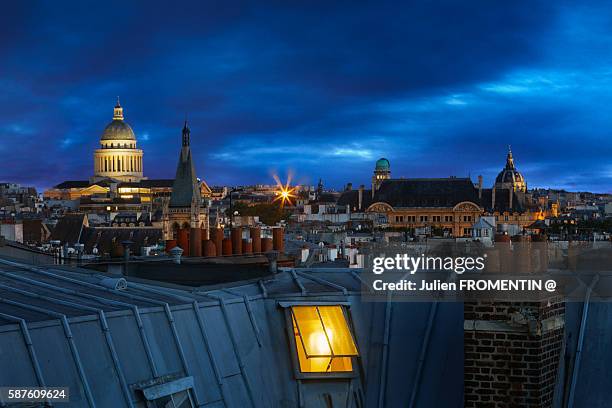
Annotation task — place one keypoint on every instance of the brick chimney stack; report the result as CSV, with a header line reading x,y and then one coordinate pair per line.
x,y
512,353
512,349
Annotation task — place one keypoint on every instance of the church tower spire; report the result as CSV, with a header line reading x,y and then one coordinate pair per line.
x,y
185,189
186,135
186,209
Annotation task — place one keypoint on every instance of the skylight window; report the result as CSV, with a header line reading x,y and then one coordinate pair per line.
x,y
323,339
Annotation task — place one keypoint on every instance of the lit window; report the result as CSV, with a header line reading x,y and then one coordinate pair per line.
x,y
323,339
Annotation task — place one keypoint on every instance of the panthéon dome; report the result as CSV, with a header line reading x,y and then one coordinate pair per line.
x,y
118,158
118,129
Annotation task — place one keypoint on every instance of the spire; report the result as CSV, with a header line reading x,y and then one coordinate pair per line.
x,y
186,135
118,111
509,159
185,189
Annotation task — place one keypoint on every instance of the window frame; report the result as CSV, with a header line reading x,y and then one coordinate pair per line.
x,y
293,351
154,392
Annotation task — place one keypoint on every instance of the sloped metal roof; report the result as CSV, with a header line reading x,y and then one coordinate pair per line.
x,y
64,327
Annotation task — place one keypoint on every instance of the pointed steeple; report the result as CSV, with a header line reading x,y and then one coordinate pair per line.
x,y
186,135
186,188
118,111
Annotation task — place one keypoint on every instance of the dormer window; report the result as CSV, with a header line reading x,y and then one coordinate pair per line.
x,y
322,341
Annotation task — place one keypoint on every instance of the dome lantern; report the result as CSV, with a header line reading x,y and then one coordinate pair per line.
x,y
118,111
118,129
509,159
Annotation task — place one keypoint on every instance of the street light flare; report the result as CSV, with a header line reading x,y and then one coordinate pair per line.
x,y
285,192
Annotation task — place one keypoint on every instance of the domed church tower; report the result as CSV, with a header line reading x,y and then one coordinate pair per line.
x,y
382,172
118,158
509,177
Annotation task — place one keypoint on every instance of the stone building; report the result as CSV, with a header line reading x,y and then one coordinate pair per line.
x,y
186,216
445,206
118,158
118,174
448,205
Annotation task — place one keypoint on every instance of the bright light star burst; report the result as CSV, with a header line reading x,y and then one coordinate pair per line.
x,y
285,192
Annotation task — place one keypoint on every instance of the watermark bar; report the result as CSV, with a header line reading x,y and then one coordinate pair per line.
x,y
9,395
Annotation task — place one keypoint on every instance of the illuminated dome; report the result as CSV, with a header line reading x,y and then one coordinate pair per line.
x,y
383,164
118,158
510,177
118,129
382,171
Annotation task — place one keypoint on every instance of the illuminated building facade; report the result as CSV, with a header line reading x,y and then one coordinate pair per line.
x,y
118,158
118,174
446,206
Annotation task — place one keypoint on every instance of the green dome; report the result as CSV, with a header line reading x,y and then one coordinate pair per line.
x,y
383,164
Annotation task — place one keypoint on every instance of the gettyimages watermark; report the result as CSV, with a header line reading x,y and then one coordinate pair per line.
x,y
412,264
469,271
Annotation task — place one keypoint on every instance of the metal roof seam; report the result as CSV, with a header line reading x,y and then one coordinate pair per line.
x,y
298,282
234,342
323,282
104,327
134,308
25,332
71,344
262,286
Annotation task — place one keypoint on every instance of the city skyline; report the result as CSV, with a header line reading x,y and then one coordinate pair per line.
x,y
278,90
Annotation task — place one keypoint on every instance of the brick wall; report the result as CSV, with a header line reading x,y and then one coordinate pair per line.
x,y
512,353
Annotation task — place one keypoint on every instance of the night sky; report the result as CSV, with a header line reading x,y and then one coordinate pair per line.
x,y
439,88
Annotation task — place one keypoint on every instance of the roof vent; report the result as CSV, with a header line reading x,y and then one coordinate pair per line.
x,y
114,283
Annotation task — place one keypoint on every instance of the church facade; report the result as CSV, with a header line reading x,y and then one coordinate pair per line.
x,y
186,211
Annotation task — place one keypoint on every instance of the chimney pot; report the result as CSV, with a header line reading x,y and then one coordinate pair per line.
x,y
272,261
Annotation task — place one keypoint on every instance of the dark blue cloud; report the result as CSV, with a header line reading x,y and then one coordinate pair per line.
x,y
319,89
